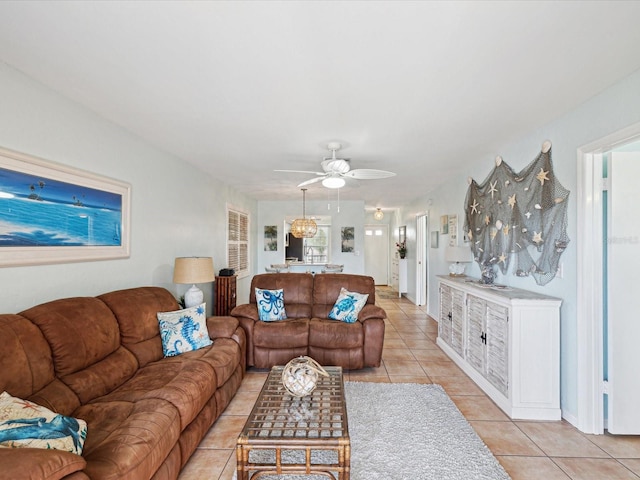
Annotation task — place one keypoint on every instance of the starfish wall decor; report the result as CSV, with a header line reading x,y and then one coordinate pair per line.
x,y
519,217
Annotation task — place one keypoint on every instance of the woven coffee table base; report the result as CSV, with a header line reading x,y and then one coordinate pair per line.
x,y
292,430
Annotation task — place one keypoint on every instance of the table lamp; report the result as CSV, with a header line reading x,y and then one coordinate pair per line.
x,y
458,256
193,270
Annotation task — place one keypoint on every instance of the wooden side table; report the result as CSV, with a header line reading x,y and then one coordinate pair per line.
x,y
225,295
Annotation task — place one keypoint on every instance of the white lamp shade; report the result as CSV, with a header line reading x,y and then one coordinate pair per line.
x,y
193,270
458,254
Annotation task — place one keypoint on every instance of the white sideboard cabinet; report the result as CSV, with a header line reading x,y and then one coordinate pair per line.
x,y
507,340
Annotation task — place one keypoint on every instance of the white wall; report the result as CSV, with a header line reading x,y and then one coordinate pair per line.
x,y
176,210
610,111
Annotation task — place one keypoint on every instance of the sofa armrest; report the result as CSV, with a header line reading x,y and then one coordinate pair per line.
x,y
248,310
222,327
37,463
371,311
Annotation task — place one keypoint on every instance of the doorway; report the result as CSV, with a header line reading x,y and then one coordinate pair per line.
x,y
608,390
376,253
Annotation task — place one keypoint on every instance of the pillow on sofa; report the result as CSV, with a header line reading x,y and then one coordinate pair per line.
x,y
26,424
348,306
183,330
270,305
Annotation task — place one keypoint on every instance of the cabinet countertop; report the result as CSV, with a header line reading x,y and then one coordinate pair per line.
x,y
501,290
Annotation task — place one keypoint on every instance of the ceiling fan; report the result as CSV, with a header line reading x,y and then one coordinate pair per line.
x,y
336,171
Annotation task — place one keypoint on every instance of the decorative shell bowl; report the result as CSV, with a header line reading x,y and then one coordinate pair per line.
x,y
300,376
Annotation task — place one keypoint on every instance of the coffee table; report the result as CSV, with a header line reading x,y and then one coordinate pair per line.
x,y
296,432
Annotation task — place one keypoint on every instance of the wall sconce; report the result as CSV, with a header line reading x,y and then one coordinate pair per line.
x,y
193,270
458,256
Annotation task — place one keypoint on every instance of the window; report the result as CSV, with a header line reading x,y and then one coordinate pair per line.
x,y
238,241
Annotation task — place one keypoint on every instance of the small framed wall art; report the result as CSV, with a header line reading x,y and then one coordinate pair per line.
x,y
444,225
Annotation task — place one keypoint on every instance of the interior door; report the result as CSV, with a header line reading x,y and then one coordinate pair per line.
x,y
376,253
422,273
623,301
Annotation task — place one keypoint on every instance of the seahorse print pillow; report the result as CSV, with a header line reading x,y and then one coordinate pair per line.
x,y
270,305
24,424
183,330
348,306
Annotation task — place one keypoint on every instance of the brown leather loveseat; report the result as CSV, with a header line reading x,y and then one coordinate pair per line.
x,y
100,359
308,299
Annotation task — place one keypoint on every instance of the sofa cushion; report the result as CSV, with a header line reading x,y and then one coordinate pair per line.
x,y
25,424
270,304
84,338
128,439
285,334
327,289
335,335
223,357
348,306
183,330
25,356
184,382
136,310
27,463
80,331
297,288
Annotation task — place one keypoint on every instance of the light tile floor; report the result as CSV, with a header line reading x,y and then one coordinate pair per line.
x,y
528,450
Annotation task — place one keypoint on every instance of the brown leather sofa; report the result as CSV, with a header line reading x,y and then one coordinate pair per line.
x,y
100,359
308,299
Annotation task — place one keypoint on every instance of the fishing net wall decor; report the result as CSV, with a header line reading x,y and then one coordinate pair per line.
x,y
518,217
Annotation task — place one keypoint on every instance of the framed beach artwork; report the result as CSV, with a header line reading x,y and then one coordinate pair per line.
x,y
51,213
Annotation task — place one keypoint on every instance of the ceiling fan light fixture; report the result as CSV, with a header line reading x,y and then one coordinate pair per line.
x,y
378,215
333,182
304,227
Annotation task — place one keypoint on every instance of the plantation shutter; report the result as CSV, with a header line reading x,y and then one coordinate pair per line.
x,y
238,241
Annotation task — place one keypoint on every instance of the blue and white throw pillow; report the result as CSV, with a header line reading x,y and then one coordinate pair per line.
x,y
270,305
183,330
348,306
26,424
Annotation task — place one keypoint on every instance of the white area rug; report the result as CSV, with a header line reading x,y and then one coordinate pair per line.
x,y
409,432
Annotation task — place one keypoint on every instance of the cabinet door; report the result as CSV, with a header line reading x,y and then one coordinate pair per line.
x,y
476,310
457,321
444,321
497,331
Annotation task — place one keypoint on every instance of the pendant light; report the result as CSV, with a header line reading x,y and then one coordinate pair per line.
x,y
304,227
378,215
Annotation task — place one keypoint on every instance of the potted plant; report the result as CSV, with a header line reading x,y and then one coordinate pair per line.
x,y
402,249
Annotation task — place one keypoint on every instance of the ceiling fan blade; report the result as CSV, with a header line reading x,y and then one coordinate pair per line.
x,y
368,174
301,171
313,180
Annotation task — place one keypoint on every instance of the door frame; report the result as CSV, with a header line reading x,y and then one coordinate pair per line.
x,y
422,259
590,289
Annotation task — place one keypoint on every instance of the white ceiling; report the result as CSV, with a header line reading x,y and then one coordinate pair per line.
x,y
242,88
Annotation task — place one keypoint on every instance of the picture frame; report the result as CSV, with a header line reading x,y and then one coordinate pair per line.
x,y
434,239
53,213
270,238
453,230
444,225
347,239
402,234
